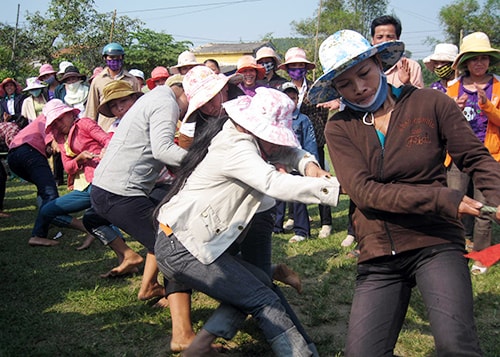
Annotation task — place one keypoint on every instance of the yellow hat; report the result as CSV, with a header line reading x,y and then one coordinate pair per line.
x,y
115,90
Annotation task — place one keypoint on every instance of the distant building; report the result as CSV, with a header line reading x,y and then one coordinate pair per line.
x,y
227,54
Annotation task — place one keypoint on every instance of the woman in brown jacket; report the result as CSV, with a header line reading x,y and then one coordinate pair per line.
x,y
387,147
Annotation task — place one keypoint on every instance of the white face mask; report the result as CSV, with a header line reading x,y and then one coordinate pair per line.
x,y
73,87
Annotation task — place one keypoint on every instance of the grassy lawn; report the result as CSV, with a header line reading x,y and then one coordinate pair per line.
x,y
55,304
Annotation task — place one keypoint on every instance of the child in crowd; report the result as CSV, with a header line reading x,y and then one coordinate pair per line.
x,y
303,129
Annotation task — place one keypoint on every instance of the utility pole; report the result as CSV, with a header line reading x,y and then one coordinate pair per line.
x,y
112,27
316,39
15,33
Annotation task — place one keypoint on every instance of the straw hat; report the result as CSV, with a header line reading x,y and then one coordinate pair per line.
x,y
200,85
186,58
474,45
343,50
115,90
46,69
443,52
267,52
247,61
267,115
54,109
33,83
176,79
72,71
296,55
9,80
157,74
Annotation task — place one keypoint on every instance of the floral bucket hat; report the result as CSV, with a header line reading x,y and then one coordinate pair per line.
x,y
267,115
200,85
343,50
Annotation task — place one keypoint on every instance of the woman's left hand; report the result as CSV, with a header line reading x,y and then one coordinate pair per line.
x,y
469,206
313,170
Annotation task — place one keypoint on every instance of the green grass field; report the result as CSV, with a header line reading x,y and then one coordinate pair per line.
x,y
55,304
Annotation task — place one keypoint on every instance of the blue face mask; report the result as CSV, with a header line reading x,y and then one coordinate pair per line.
x,y
377,101
50,80
35,92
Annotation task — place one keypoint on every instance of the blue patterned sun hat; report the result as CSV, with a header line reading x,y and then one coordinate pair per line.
x,y
343,50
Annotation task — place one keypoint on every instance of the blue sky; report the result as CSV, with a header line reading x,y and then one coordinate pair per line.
x,y
201,21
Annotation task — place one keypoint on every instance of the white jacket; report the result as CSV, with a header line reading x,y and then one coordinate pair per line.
x,y
229,186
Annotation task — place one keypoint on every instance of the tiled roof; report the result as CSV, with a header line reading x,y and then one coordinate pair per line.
x,y
224,48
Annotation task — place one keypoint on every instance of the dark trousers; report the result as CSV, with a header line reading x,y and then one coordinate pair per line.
x,y
382,294
325,212
27,163
133,214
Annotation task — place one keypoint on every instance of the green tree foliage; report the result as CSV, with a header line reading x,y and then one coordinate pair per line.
x,y
73,30
147,49
337,15
467,16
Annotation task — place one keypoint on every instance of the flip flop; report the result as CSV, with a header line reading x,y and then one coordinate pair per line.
x,y
478,270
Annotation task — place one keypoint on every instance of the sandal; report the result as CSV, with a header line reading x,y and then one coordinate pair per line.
x,y
296,238
478,270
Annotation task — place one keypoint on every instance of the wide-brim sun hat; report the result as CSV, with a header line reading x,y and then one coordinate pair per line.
x,y
175,79
443,52
137,73
96,72
46,69
267,52
268,115
200,85
473,45
54,109
115,90
249,62
186,58
343,50
34,83
10,80
296,55
72,71
157,74
63,65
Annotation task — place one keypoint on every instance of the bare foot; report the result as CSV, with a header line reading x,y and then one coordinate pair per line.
x,y
4,214
201,345
151,291
127,266
162,303
42,242
287,276
88,241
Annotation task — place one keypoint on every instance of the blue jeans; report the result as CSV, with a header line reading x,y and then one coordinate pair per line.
x,y
256,249
382,294
73,201
233,282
